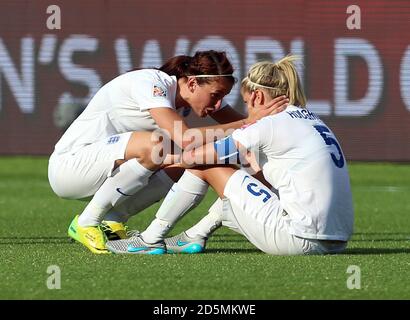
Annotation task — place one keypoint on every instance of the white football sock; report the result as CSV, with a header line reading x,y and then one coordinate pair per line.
x,y
209,223
183,196
125,181
158,186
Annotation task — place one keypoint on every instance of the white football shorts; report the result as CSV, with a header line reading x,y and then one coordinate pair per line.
x,y
80,174
253,210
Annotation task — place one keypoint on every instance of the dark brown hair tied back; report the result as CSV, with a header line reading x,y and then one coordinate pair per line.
x,y
177,66
202,63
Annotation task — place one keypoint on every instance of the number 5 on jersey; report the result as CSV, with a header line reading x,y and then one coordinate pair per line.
x,y
329,140
257,193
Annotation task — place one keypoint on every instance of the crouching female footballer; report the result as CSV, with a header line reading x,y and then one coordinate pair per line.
x,y
311,210
105,156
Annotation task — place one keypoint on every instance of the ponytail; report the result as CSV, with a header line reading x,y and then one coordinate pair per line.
x,y
177,66
280,78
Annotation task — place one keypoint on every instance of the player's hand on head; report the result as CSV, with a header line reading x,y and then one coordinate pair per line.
x,y
277,105
272,107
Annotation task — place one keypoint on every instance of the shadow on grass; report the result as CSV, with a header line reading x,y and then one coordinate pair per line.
x,y
234,250
353,251
228,235
225,238
228,240
375,251
380,240
381,233
380,236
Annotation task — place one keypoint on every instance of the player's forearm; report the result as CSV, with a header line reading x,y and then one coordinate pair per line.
x,y
195,137
227,115
202,155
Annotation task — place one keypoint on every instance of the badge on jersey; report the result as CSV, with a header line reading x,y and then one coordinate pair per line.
x,y
158,91
113,139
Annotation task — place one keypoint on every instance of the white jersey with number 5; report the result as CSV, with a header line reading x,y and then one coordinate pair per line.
x,y
305,163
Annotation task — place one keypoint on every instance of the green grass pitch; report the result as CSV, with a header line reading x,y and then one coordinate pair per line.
x,y
33,237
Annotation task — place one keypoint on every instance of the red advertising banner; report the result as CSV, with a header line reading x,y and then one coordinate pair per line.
x,y
356,60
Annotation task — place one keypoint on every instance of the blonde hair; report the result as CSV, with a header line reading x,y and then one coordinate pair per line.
x,y
276,79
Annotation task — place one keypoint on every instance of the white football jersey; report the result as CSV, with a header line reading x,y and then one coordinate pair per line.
x,y
305,163
121,106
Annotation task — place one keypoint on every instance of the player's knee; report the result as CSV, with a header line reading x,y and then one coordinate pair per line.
x,y
148,152
152,155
